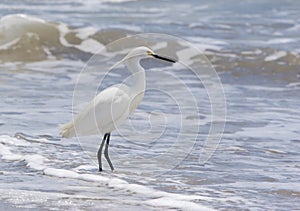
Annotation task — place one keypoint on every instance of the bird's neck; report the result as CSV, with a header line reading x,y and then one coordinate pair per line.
x,y
138,75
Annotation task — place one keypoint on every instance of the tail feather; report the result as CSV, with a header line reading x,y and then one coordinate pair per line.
x,y
67,130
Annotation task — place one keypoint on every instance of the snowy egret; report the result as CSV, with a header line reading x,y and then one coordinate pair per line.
x,y
113,105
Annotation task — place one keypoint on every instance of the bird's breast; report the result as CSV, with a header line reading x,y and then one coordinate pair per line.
x,y
135,101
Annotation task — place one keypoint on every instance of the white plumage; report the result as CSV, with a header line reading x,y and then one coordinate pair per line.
x,y
111,107
103,114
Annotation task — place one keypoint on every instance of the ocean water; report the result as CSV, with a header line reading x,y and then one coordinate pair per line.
x,y
47,72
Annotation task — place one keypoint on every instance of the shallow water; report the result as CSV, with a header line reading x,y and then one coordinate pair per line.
x,y
253,46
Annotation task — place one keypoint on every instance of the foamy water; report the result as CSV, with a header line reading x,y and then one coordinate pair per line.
x,y
253,46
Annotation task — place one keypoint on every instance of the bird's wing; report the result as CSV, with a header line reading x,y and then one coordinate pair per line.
x,y
104,111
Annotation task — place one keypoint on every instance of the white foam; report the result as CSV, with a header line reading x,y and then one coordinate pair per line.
x,y
280,41
36,199
293,85
275,151
255,52
262,88
84,33
37,162
63,173
275,56
90,46
7,140
60,173
93,178
183,205
29,197
63,30
179,201
7,154
84,167
128,27
205,43
5,148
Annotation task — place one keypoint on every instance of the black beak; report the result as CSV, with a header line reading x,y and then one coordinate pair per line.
x,y
164,58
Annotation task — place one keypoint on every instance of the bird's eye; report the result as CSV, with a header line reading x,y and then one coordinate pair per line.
x,y
149,52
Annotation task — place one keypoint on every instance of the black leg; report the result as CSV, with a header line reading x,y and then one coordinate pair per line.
x,y
99,154
106,153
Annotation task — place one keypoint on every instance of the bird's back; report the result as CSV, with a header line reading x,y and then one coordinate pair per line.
x,y
102,115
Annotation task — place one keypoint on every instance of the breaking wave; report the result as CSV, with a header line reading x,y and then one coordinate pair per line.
x,y
26,38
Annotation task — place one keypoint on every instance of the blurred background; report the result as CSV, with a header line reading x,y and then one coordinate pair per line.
x,y
253,45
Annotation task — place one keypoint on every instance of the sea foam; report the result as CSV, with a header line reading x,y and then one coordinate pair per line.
x,y
155,198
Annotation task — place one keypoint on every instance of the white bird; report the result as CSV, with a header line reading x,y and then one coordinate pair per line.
x,y
111,107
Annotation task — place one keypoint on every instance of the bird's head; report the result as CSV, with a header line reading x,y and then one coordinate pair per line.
x,y
145,52
141,53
